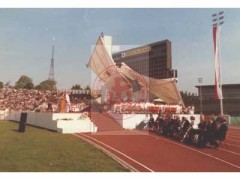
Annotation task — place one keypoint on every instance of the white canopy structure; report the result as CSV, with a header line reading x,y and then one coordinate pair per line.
x,y
124,80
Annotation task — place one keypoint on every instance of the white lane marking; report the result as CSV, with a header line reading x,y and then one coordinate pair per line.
x,y
230,135
234,128
229,151
230,139
231,144
119,152
119,160
236,166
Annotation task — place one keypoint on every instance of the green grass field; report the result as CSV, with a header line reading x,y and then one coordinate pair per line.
x,y
40,150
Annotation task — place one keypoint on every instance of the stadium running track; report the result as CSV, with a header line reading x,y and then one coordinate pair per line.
x,y
147,152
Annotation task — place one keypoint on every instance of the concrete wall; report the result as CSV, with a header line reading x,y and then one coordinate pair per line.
x,y
75,126
60,122
4,113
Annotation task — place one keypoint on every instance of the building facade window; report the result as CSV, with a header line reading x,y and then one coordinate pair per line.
x,y
153,60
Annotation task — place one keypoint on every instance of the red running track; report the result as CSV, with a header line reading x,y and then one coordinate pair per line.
x,y
144,152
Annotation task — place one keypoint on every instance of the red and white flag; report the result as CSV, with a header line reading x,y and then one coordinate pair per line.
x,y
218,90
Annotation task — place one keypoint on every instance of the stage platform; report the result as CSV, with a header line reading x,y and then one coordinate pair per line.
x,y
60,122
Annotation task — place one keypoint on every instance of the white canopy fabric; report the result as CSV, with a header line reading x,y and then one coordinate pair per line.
x,y
107,72
166,89
100,62
103,65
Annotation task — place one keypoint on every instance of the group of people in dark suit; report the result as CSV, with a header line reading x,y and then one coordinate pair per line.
x,y
210,131
213,130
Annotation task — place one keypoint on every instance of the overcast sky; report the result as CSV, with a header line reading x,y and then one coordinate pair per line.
x,y
26,37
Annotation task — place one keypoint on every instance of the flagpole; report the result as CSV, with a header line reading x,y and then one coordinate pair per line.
x,y
220,72
217,22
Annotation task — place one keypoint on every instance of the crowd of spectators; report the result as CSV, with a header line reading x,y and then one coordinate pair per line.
x,y
48,101
35,100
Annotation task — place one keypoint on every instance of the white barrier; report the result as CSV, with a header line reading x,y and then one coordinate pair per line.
x,y
60,122
4,114
130,121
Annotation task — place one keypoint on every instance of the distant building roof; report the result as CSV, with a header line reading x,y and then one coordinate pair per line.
x,y
224,86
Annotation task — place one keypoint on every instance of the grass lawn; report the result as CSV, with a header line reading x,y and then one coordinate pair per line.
x,y
40,150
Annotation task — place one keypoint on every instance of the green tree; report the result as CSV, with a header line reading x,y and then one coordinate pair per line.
x,y
8,84
47,85
24,82
76,87
1,84
87,87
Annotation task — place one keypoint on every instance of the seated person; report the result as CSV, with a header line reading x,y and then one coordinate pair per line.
x,y
151,122
143,123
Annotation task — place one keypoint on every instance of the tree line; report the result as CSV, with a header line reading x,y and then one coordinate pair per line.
x,y
25,82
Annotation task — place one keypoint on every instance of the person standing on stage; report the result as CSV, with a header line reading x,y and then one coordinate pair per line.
x,y
68,103
62,103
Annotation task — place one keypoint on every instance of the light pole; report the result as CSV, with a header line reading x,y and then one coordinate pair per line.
x,y
200,93
217,19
